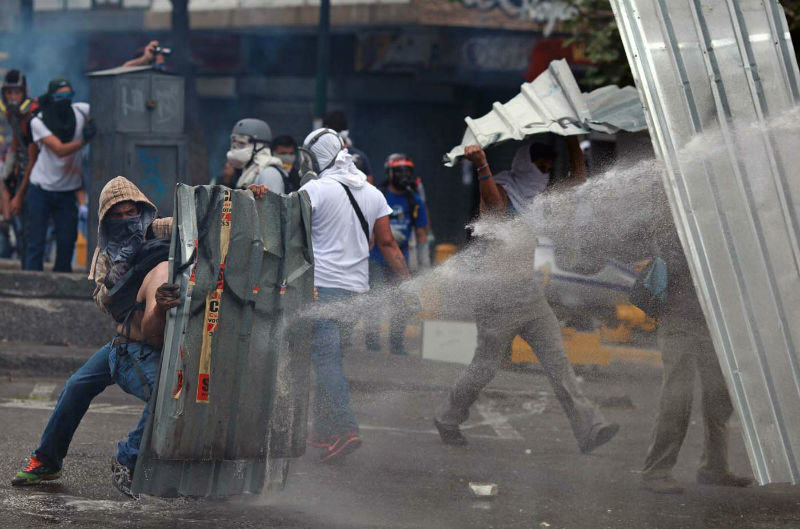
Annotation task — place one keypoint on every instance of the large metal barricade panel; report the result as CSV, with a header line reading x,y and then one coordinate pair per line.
x,y
232,393
716,77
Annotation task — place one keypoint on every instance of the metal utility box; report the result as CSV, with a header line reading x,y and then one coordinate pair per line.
x,y
139,114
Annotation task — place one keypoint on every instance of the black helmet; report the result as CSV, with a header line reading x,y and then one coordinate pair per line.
x,y
14,79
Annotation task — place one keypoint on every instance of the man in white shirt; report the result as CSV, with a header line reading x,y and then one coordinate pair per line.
x,y
59,132
345,210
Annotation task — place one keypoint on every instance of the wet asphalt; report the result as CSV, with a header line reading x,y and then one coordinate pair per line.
x,y
403,477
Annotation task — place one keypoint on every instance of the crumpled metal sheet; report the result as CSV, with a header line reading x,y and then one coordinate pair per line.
x,y
554,103
231,402
714,76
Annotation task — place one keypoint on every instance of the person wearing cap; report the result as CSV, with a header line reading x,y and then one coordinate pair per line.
x,y
18,110
347,213
250,153
59,132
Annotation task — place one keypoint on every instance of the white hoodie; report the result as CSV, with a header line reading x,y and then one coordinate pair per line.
x,y
341,249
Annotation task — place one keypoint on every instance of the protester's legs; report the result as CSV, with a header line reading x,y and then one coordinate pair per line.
x,y
675,406
5,241
543,334
717,407
65,220
37,213
372,323
331,409
18,225
85,384
494,338
127,377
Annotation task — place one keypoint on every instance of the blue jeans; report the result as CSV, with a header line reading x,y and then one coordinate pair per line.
x,y
111,364
40,207
331,409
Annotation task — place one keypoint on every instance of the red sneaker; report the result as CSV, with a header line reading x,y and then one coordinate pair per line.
x,y
340,446
319,441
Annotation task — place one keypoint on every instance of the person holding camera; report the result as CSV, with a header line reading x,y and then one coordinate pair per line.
x,y
151,55
51,187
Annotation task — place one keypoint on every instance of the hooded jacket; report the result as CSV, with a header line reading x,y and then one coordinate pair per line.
x,y
120,189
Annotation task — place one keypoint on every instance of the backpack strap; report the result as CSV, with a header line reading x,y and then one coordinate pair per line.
x,y
359,214
413,208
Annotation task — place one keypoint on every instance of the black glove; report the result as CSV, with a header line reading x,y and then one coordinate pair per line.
x,y
89,130
116,273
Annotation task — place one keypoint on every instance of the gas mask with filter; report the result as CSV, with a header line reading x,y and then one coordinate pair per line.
x,y
309,163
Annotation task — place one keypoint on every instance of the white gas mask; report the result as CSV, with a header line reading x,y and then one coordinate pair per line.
x,y
242,151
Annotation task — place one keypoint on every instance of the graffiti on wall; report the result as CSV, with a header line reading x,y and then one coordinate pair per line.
x,y
548,11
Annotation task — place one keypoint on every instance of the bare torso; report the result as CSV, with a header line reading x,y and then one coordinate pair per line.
x,y
147,326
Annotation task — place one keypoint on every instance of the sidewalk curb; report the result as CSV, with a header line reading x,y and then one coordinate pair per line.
x,y
39,364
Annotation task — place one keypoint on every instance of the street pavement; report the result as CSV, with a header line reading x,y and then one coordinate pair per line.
x,y
403,477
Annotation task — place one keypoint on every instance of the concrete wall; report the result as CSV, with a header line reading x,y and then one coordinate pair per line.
x,y
51,309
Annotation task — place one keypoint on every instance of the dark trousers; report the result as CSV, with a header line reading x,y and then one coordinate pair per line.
x,y
686,349
40,207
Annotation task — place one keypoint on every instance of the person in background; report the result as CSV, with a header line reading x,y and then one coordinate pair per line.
x,y
512,302
346,213
250,153
409,214
336,120
285,148
150,55
18,110
52,187
686,351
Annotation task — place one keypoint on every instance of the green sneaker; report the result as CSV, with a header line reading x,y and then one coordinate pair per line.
x,y
35,473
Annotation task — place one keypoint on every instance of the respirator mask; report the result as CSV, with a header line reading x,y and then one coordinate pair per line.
x,y
242,151
403,178
287,160
308,162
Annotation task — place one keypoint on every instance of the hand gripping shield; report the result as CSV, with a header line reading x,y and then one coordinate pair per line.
x,y
230,406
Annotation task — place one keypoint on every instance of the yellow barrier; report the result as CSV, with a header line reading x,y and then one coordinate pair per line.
x,y
443,251
81,251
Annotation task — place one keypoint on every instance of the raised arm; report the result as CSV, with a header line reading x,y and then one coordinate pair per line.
x,y
493,197
576,162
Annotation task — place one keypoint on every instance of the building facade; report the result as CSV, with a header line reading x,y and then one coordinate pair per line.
x,y
406,72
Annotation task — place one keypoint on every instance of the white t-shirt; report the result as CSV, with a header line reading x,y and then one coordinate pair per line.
x,y
51,172
340,249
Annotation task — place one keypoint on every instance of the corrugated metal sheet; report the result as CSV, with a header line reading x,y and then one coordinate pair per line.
x,y
712,75
553,102
232,392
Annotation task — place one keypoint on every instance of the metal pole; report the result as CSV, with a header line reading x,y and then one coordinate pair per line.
x,y
26,15
323,58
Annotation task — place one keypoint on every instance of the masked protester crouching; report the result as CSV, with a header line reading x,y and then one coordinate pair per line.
x,y
119,238
130,268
